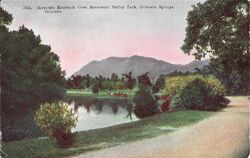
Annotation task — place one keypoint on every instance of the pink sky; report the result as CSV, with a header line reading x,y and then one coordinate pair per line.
x,y
80,37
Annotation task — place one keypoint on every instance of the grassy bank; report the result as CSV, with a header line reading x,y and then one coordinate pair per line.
x,y
106,137
101,94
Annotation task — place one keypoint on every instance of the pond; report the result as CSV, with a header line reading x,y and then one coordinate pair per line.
x,y
96,113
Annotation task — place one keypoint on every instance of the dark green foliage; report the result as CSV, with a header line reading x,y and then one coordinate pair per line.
x,y
75,81
109,85
159,84
176,102
130,82
196,92
64,140
220,29
30,75
95,87
30,71
145,104
5,17
235,84
193,95
180,73
100,80
87,81
144,79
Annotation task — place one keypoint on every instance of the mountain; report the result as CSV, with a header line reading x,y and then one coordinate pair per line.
x,y
138,65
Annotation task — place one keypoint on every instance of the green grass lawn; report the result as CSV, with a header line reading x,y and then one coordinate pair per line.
x,y
106,137
101,94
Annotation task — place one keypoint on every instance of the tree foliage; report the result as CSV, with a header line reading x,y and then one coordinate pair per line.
x,y
96,86
196,92
220,29
159,84
5,17
30,73
144,79
57,120
129,80
145,103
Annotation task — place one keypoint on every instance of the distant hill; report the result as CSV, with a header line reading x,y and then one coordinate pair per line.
x,y
138,65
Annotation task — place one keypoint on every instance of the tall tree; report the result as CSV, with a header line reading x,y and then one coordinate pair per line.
x,y
30,73
129,80
159,84
114,77
219,29
88,81
95,87
144,79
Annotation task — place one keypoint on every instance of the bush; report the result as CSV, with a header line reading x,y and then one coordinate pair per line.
x,y
196,92
165,105
216,91
193,95
174,84
57,121
176,102
145,104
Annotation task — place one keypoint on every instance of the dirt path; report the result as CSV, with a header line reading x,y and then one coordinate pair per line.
x,y
224,135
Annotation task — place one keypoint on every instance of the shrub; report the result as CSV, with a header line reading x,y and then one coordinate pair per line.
x,y
176,102
165,105
193,95
196,92
174,84
216,87
216,93
145,104
57,121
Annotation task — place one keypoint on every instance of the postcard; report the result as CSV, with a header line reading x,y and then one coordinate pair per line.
x,y
124,78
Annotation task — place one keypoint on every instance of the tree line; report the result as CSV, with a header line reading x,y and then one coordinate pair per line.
x,y
114,82
233,85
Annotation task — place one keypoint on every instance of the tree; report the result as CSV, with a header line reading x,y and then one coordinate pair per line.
x,y
109,85
29,70
76,81
95,86
57,120
100,80
160,82
233,82
145,103
144,79
129,80
5,17
114,77
220,29
88,81
30,74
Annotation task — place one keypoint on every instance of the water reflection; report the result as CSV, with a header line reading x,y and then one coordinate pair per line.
x,y
98,113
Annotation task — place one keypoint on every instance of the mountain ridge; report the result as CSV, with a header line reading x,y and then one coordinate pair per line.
x,y
138,65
